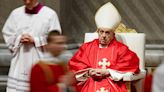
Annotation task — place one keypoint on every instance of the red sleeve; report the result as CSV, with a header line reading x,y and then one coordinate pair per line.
x,y
79,60
127,60
37,80
58,71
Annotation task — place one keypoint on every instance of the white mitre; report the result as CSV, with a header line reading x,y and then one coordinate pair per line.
x,y
107,16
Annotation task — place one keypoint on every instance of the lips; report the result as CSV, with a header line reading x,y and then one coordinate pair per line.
x,y
103,40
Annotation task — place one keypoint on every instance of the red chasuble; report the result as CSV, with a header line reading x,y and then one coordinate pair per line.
x,y
44,77
116,56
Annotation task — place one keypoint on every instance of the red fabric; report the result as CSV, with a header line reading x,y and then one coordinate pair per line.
x,y
148,83
38,81
119,56
35,10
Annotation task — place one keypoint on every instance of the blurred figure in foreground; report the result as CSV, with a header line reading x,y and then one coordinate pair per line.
x,y
148,82
158,79
50,73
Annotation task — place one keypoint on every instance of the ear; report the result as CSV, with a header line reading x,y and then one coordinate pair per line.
x,y
97,30
46,46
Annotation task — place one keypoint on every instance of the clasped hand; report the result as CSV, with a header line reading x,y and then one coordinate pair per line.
x,y
98,73
26,38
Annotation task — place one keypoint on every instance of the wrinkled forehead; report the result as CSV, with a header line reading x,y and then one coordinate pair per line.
x,y
105,30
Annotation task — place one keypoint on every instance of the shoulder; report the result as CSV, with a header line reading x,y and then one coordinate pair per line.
x,y
18,10
49,11
65,56
89,44
120,45
36,69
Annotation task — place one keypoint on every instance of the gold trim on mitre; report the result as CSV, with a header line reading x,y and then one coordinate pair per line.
x,y
107,16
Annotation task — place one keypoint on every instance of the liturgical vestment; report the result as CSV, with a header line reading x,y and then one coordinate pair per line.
x,y
116,58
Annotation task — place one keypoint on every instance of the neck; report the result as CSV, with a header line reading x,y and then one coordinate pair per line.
x,y
103,45
35,10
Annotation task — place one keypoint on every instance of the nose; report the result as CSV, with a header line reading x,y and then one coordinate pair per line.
x,y
103,34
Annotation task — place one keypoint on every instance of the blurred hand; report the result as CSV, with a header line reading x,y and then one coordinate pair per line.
x,y
68,79
27,39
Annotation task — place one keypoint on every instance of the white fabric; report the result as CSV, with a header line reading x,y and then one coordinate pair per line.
x,y
117,76
38,26
136,43
90,37
158,79
82,75
107,16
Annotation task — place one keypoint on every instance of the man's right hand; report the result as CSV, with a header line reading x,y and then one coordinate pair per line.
x,y
26,39
98,73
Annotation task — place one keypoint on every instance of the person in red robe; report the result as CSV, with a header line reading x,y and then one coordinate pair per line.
x,y
50,73
100,65
148,83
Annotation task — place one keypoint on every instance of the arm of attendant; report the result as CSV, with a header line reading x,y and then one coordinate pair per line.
x,y
10,34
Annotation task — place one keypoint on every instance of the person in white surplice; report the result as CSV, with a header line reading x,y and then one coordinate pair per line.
x,y
25,34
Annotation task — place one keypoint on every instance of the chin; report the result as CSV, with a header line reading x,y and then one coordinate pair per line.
x,y
54,55
103,44
29,6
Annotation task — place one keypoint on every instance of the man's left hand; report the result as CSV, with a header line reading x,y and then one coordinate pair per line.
x,y
102,72
27,39
98,73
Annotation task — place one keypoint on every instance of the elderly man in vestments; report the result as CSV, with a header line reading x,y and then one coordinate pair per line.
x,y
100,65
50,73
25,33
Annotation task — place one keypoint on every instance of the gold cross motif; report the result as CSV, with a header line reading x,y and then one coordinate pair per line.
x,y
102,89
104,63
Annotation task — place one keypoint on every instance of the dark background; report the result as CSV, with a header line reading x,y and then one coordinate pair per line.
x,y
77,16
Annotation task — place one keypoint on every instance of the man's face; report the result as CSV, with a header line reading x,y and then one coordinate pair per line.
x,y
56,45
105,35
30,3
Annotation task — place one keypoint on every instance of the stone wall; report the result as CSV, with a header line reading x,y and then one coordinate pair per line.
x,y
77,16
6,6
